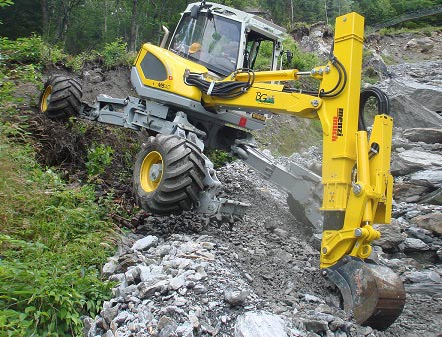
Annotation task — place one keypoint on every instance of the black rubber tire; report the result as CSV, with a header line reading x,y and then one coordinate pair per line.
x,y
181,180
64,100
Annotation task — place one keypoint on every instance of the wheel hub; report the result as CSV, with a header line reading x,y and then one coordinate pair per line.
x,y
151,171
155,172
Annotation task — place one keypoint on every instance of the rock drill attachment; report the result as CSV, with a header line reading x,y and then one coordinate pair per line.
x,y
374,293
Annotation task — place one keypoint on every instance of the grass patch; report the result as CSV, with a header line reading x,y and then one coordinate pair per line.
x,y
53,242
284,137
219,158
54,238
426,30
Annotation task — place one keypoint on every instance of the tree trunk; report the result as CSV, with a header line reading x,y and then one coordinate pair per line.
x,y
326,9
64,17
106,10
45,18
292,14
133,26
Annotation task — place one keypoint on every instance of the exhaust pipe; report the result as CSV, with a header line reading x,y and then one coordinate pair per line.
x,y
165,37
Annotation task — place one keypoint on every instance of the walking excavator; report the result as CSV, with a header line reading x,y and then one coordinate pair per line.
x,y
209,89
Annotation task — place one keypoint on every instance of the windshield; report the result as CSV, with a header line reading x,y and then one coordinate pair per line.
x,y
210,40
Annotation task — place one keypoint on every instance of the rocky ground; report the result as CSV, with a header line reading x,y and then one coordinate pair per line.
x,y
188,276
226,280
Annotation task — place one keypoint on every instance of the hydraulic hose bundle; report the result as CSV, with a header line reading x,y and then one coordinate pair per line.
x,y
383,104
224,89
342,79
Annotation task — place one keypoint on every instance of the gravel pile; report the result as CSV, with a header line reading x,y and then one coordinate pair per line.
x,y
188,276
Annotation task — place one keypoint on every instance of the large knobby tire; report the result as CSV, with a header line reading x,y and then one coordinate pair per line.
x,y
168,175
61,98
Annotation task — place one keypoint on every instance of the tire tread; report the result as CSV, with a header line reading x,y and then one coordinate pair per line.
x,y
182,179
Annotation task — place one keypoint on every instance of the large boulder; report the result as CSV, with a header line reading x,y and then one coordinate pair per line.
x,y
426,135
430,178
407,111
407,192
422,44
410,161
414,104
431,221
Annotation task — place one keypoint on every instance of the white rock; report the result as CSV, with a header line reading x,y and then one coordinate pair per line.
x,y
110,267
427,177
177,282
145,243
259,324
185,330
422,276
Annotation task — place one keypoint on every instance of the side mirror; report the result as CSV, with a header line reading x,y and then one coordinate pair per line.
x,y
194,12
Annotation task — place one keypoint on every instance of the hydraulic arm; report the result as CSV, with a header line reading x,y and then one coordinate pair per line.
x,y
357,184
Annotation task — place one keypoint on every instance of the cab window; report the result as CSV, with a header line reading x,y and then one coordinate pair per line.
x,y
210,40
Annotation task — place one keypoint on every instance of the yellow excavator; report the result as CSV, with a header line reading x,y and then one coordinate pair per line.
x,y
203,91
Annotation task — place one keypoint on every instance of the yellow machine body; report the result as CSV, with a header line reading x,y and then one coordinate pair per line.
x,y
164,70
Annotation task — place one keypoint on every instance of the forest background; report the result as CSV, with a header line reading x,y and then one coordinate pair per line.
x,y
81,25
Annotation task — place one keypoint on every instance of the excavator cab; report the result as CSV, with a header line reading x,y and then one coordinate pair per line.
x,y
223,39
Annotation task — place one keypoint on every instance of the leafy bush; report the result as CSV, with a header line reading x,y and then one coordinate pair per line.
x,y
115,53
23,50
98,159
30,50
219,158
4,3
54,238
76,63
27,73
300,60
43,295
263,61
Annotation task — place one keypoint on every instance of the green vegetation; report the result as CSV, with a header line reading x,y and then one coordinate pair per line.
x,y
54,237
219,158
38,53
54,240
408,28
300,60
98,159
78,26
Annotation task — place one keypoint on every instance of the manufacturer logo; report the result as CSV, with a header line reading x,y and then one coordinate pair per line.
x,y
162,85
337,124
264,98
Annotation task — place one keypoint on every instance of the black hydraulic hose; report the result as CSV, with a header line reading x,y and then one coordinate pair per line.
x,y
342,81
323,93
231,89
340,67
383,104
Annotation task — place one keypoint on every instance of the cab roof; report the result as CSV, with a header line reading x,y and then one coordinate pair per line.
x,y
252,22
